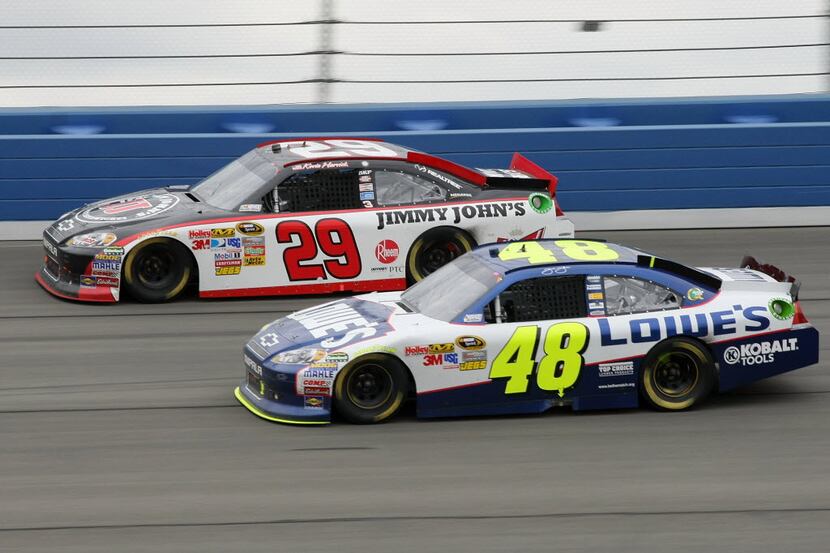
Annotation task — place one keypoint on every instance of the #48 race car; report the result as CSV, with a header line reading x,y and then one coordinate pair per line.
x,y
298,217
521,327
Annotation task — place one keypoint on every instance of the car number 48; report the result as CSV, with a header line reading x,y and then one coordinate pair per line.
x,y
558,369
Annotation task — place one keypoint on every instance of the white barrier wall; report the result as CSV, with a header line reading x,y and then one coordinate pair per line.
x,y
189,52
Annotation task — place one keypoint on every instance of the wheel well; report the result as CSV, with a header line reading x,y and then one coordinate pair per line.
x,y
695,339
389,356
437,231
191,259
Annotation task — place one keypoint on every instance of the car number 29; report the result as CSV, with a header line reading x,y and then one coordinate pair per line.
x,y
559,367
340,148
334,237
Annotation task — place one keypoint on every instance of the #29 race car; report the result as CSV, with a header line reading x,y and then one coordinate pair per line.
x,y
298,217
521,327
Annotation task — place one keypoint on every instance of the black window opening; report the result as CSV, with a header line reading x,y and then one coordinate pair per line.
x,y
324,190
539,299
401,188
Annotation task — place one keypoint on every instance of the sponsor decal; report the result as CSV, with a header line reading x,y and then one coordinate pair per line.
x,y
622,368
323,365
366,187
473,317
200,244
616,385
250,229
367,196
759,353
474,355
447,360
222,233
313,402
92,240
65,225
472,365
253,250
596,305
251,208
415,350
596,312
365,172
222,243
337,318
365,179
694,294
593,287
320,165
201,233
315,381
442,348
338,357
228,271
470,342
254,261
387,251
593,278
654,329
595,296
781,308
454,214
129,209
106,267
438,176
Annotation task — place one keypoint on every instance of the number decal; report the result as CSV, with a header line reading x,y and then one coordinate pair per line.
x,y
339,148
560,366
587,250
305,250
563,361
534,252
516,360
335,239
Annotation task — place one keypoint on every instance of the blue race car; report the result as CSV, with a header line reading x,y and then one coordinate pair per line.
x,y
520,327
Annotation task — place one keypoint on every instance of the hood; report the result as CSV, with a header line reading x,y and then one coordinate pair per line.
x,y
136,212
329,326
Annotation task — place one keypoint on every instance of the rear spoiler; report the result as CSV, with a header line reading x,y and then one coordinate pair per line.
x,y
541,178
749,262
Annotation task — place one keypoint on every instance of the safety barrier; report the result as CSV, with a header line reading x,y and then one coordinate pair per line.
x,y
609,156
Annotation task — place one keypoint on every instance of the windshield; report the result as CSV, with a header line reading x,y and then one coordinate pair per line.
x,y
450,290
234,183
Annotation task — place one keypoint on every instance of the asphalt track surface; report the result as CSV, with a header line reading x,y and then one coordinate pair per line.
x,y
119,433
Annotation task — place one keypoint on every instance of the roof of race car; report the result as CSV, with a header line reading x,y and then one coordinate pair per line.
x,y
319,152
511,256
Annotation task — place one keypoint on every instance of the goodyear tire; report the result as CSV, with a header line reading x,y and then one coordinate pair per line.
x,y
371,389
677,374
157,270
435,249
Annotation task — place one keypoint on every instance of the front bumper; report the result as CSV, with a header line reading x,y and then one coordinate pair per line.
x,y
277,412
66,275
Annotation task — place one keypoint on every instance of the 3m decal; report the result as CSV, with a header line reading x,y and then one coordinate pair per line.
x,y
558,369
336,240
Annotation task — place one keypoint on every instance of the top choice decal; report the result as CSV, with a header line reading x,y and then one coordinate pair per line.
x,y
129,209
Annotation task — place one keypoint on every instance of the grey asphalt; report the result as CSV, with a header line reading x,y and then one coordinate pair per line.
x,y
119,433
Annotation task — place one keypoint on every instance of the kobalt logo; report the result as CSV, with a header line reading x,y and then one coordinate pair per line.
x,y
387,251
759,352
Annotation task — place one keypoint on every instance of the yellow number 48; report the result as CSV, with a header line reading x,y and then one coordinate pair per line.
x,y
559,368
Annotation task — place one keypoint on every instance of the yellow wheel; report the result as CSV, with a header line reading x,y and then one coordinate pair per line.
x,y
434,249
371,389
157,270
677,374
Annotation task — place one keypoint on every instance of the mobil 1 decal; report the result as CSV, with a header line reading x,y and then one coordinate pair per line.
x,y
331,236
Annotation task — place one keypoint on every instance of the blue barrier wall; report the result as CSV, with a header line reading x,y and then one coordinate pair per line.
x,y
655,154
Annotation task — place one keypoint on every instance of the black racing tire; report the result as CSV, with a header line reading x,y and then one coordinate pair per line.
x,y
157,270
434,249
371,389
677,374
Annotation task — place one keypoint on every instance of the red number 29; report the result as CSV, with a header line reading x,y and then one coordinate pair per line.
x,y
334,237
